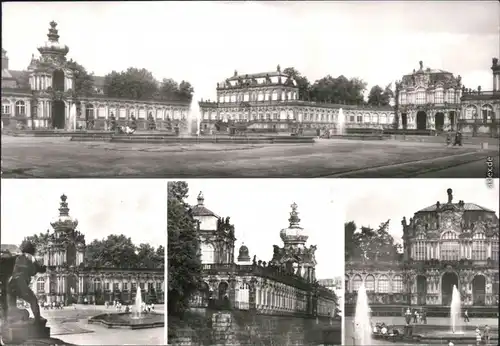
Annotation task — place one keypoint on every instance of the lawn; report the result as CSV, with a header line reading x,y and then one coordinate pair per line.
x,y
35,157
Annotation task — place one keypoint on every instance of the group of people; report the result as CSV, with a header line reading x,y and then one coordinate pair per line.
x,y
416,315
119,306
53,305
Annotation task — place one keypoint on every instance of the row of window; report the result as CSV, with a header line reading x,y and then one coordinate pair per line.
x,y
374,118
452,249
487,113
20,108
383,284
97,286
258,96
423,97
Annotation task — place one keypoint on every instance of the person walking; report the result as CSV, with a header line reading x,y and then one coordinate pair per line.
x,y
486,334
415,316
466,316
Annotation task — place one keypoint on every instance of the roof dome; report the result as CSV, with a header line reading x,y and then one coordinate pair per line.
x,y
53,46
199,209
294,234
449,204
63,221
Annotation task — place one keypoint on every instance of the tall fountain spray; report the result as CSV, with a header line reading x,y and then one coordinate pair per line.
x,y
72,117
341,123
138,303
362,325
455,310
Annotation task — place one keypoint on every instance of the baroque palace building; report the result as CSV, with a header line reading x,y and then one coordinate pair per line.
x,y
268,101
430,99
284,285
43,94
70,279
445,244
481,108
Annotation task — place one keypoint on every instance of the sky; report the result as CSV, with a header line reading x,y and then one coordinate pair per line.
x,y
136,208
373,201
204,42
260,208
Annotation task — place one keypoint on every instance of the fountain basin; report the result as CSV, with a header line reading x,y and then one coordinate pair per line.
x,y
128,321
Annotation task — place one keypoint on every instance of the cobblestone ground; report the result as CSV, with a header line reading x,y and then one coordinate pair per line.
x,y
70,325
59,157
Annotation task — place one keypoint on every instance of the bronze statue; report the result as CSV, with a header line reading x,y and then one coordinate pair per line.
x,y
18,286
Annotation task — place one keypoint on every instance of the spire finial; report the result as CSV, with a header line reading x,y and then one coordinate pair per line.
x,y
201,199
53,35
294,216
63,209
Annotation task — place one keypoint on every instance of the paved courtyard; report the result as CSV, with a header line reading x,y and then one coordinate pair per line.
x,y
70,325
35,157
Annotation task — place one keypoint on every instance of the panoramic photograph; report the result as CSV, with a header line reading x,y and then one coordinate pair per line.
x,y
83,262
299,101
254,262
421,268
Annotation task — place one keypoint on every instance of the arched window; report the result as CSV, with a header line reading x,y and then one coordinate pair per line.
x,y
479,247
97,285
494,248
370,283
89,111
6,110
20,108
419,248
487,113
450,247
397,284
40,285
243,296
207,253
356,283
383,284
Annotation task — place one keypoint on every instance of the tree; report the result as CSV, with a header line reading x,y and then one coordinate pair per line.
x,y
184,263
375,96
367,244
169,89
379,96
302,82
338,90
186,91
84,81
38,240
134,83
116,251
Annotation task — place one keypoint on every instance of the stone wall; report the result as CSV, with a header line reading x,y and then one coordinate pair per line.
x,y
242,328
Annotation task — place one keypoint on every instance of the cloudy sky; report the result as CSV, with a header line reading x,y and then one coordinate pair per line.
x,y
135,208
370,202
204,42
260,208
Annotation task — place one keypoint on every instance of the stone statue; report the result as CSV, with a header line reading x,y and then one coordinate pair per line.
x,y
254,261
25,267
278,68
450,195
421,64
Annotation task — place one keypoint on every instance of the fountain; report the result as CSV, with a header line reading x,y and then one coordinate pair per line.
x,y
138,304
455,311
340,130
362,319
135,320
72,117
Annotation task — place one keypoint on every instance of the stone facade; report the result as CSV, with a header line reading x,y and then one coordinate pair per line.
x,y
240,328
445,244
481,109
69,279
269,102
47,95
284,285
428,99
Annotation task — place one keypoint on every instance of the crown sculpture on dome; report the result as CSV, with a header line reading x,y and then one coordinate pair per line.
x,y
52,46
64,221
294,216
